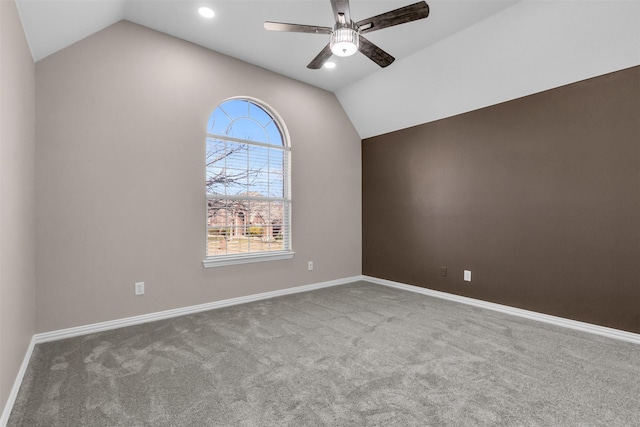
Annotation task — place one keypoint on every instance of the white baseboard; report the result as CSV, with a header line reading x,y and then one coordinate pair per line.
x,y
136,320
145,318
4,418
540,317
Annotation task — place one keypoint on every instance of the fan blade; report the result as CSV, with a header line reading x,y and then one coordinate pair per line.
x,y
403,15
374,53
296,28
341,9
322,57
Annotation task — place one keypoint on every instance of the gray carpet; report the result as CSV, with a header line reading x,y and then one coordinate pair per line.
x,y
352,355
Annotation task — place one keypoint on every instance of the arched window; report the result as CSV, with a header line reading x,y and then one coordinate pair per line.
x,y
248,184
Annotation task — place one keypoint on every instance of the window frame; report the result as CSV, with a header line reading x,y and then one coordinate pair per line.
x,y
251,257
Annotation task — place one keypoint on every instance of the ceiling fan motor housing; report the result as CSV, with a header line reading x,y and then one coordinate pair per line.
x,y
345,40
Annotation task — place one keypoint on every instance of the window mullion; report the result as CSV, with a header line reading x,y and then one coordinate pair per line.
x,y
247,141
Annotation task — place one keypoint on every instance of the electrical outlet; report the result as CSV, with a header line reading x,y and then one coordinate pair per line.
x,y
310,266
467,275
139,288
443,271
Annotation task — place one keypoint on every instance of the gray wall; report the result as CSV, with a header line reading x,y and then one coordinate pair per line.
x,y
539,197
120,174
17,218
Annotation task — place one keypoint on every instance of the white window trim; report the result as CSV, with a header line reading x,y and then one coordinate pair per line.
x,y
237,259
224,260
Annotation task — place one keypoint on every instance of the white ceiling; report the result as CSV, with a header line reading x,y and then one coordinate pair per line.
x,y
237,29
467,54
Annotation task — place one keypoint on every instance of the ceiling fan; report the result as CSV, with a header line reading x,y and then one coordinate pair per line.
x,y
346,35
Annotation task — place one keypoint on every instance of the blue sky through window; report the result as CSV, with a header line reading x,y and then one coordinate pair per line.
x,y
237,168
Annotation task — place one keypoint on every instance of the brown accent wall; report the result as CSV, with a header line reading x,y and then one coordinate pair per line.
x,y
539,197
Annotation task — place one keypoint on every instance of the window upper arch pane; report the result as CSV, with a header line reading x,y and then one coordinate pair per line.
x,y
246,119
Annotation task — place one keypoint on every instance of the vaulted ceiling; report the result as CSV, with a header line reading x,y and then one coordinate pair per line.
x,y
237,29
467,54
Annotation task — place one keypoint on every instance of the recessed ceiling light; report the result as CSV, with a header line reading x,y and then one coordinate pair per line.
x,y
206,12
329,65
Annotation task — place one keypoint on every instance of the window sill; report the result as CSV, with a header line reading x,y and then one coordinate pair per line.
x,y
223,260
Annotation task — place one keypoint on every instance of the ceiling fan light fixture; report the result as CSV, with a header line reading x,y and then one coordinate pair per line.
x,y
345,36
344,41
